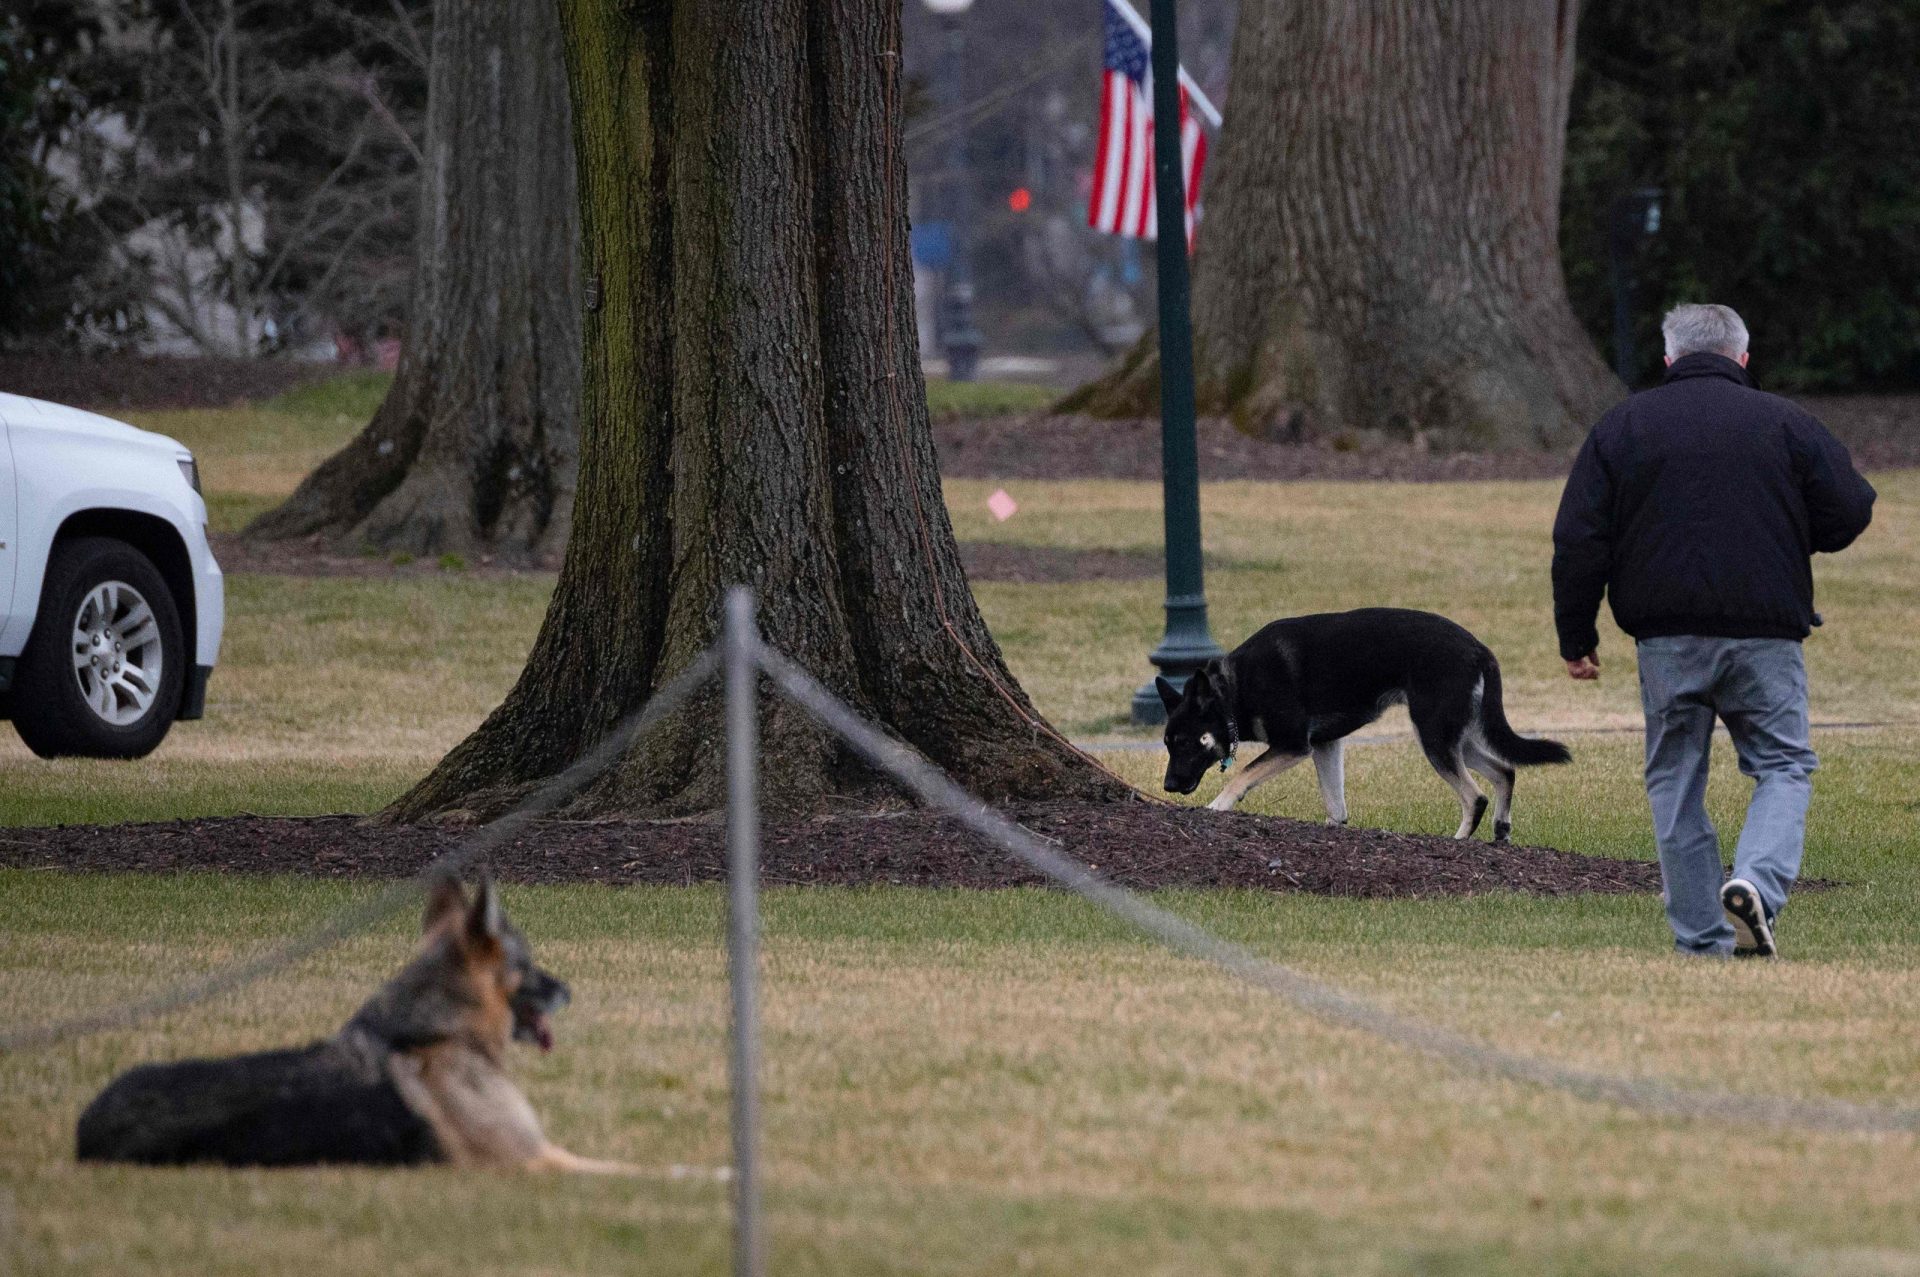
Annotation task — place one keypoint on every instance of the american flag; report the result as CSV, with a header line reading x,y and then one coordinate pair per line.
x,y
1121,202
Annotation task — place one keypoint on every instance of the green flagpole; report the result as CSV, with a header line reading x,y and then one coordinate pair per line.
x,y
1188,643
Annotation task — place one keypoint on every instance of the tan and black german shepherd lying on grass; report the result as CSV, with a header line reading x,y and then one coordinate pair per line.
x,y
417,1075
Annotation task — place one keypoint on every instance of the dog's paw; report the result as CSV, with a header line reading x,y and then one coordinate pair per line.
x,y
1502,830
1222,803
1337,824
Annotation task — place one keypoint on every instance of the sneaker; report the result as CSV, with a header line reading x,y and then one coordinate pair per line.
x,y
1752,925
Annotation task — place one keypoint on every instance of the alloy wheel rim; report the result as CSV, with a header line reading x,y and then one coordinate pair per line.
x,y
117,657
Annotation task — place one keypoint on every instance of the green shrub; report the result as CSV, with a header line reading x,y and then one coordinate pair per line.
x,y
1783,137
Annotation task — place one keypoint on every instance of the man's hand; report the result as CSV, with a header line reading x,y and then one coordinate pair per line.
x,y
1586,669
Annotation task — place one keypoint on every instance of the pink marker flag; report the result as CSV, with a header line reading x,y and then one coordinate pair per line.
x,y
1002,505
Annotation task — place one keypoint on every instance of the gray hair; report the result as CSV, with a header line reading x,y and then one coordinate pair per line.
x,y
1691,329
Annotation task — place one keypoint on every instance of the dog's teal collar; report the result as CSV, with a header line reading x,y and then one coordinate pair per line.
x,y
1233,742
1223,678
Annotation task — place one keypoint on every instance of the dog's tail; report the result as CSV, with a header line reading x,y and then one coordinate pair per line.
x,y
1515,749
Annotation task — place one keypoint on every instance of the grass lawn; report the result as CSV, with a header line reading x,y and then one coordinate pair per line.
x,y
1003,1083
972,1083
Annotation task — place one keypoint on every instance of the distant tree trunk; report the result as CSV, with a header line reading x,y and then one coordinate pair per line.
x,y
754,413
476,448
1381,244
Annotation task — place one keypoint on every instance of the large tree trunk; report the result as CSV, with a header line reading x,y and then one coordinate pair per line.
x,y
1381,245
754,413
475,450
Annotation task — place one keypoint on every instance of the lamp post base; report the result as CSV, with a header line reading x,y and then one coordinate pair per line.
x,y
958,335
1187,645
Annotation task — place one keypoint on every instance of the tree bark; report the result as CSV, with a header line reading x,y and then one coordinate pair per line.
x,y
754,414
1380,251
475,449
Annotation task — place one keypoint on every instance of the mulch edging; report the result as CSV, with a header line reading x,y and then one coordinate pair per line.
x,y
1143,845
983,560
129,383
1882,430
1037,446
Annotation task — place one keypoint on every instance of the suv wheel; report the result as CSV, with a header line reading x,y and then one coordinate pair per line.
x,y
101,674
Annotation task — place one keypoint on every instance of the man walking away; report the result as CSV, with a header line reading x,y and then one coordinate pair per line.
x,y
1696,508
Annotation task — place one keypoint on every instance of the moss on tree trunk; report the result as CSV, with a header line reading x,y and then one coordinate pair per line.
x,y
1380,251
475,449
754,414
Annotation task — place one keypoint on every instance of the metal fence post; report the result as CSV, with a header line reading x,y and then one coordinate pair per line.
x,y
743,924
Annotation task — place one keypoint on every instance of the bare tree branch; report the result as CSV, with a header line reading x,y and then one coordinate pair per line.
x,y
255,171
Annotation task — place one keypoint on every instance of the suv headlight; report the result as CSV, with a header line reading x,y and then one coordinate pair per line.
x,y
190,471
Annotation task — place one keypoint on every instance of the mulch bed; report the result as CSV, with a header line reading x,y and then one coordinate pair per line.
x,y
1138,844
1043,447
1882,430
1049,564
316,556
983,560
125,383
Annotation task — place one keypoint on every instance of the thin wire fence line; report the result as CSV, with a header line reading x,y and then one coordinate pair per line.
x,y
1312,995
351,922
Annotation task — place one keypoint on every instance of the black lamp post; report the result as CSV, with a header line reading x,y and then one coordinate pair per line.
x,y
1187,644
958,336
1633,218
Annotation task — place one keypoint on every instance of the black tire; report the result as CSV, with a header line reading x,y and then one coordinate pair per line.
x,y
50,711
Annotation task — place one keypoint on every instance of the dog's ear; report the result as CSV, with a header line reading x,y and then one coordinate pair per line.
x,y
1199,686
445,900
1169,694
1216,671
484,919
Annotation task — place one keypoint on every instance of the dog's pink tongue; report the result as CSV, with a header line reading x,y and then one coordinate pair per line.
x,y
543,1032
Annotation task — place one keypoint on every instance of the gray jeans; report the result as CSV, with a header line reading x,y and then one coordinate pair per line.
x,y
1758,687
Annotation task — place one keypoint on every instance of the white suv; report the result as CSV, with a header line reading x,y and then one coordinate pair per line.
x,y
111,605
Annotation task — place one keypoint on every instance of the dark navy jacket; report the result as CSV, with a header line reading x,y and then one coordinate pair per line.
x,y
1696,507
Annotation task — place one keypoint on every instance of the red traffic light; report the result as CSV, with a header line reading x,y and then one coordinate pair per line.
x,y
1021,199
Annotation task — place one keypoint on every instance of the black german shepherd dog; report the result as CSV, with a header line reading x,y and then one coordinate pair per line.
x,y
1302,684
